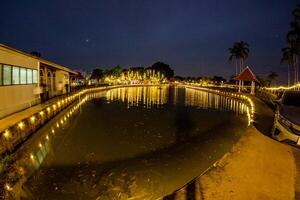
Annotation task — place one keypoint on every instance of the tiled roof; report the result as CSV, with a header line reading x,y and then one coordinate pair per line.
x,y
246,75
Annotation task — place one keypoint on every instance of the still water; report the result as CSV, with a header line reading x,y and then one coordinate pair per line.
x,y
129,143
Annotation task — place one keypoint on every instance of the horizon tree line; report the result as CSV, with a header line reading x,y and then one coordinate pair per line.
x,y
158,72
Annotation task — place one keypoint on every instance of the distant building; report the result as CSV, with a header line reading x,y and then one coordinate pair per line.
x,y
26,80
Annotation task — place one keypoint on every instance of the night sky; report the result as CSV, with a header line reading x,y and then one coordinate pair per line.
x,y
191,35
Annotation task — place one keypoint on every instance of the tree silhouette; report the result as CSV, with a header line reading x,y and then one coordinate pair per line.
x,y
239,52
272,77
163,68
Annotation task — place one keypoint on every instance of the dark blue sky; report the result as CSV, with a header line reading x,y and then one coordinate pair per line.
x,y
191,35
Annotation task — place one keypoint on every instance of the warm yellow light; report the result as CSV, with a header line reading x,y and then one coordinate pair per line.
x,y
52,130
57,125
31,157
42,113
21,125
32,119
7,187
21,170
7,134
283,87
47,137
48,109
40,145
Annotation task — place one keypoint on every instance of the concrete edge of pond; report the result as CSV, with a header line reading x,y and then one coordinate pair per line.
x,y
257,167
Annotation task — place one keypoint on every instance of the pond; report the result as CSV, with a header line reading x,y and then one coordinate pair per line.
x,y
129,143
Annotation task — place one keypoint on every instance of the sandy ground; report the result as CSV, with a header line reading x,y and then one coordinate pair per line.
x,y
257,168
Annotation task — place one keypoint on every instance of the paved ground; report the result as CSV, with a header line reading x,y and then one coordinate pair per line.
x,y
18,116
258,167
263,123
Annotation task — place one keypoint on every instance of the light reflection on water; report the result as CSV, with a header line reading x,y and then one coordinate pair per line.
x,y
140,96
150,97
207,100
138,159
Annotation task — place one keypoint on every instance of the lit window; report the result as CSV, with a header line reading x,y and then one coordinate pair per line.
x,y
29,76
23,75
16,75
34,76
6,75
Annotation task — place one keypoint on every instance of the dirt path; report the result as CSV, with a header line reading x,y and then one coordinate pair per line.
x,y
258,167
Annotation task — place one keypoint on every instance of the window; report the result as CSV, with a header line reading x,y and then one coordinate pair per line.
x,y
6,75
16,75
29,76
34,76
23,75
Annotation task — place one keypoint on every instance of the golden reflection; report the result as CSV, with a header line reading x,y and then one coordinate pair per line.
x,y
236,100
207,100
136,96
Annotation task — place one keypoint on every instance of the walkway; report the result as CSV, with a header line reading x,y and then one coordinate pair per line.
x,y
18,116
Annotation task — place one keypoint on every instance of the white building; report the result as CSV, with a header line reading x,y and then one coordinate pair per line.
x,y
26,80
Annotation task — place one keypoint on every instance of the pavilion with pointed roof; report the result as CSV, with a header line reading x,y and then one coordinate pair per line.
x,y
246,75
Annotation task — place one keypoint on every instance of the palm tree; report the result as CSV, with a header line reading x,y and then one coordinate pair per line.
x,y
287,57
272,77
296,13
239,52
291,53
233,56
242,52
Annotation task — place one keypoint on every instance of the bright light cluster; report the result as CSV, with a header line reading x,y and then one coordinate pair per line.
x,y
283,87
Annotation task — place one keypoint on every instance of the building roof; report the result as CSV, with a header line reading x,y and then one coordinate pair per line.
x,y
41,60
246,75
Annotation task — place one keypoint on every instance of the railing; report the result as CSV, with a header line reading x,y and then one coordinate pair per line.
x,y
295,87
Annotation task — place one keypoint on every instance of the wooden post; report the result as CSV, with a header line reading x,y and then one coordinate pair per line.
x,y
242,85
252,87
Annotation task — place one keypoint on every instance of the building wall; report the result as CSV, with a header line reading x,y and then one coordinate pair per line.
x,y
61,79
13,58
17,97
